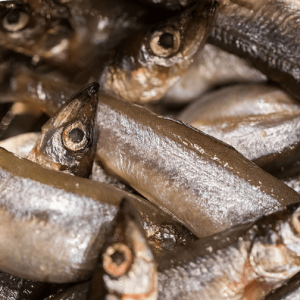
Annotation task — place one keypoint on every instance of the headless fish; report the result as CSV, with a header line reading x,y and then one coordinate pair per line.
x,y
202,181
210,70
148,64
246,262
41,208
259,121
68,140
265,33
126,267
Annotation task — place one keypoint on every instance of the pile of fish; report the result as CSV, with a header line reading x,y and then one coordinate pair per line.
x,y
149,149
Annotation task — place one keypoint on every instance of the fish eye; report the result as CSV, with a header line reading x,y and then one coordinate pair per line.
x,y
165,42
117,259
295,220
15,20
74,136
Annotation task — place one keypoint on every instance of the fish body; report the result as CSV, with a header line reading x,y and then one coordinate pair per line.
x,y
210,70
265,33
202,181
246,262
76,292
261,122
41,208
149,63
68,140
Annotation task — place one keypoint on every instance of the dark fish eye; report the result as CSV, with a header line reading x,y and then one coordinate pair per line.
x,y
15,20
74,136
165,42
117,259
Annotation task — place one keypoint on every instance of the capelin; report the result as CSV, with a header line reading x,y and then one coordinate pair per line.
x,y
39,29
68,140
275,251
148,64
126,268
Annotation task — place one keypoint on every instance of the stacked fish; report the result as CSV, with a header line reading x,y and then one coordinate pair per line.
x,y
169,165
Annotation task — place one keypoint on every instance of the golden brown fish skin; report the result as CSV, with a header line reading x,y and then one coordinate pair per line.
x,y
148,64
126,267
68,140
41,208
210,70
266,34
205,183
245,262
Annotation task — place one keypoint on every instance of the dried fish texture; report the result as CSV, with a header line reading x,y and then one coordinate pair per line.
x,y
202,181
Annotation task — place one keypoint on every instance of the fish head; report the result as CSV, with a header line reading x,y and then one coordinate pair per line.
x,y
126,268
68,140
39,29
275,252
151,62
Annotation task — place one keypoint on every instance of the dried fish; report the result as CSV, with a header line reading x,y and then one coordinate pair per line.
x,y
204,182
245,262
68,140
41,208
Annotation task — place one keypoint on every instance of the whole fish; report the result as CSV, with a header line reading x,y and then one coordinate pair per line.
x,y
202,181
261,122
266,34
68,140
246,262
210,70
69,34
60,221
289,291
149,63
126,266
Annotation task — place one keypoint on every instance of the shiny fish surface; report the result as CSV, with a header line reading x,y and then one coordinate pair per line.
x,y
210,70
68,140
246,262
266,33
148,64
241,100
41,208
205,183
126,266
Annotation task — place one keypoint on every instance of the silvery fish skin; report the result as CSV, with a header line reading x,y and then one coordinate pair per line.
x,y
69,34
290,291
204,182
266,34
210,70
246,262
41,208
260,122
126,267
68,140
241,100
148,64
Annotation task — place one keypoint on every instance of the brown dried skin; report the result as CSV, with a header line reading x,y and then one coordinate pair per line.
x,y
68,140
126,267
246,262
211,70
261,122
266,34
41,208
205,183
148,64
